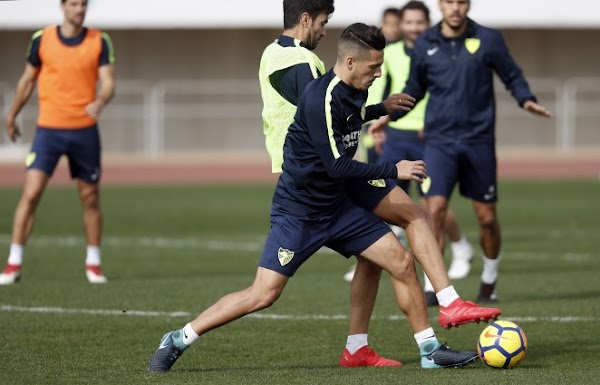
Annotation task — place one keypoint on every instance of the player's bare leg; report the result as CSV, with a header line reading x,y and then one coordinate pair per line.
x,y
265,290
398,208
363,292
490,238
462,252
388,253
89,194
33,189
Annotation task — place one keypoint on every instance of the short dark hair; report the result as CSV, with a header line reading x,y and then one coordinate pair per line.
x,y
415,5
391,11
293,9
361,36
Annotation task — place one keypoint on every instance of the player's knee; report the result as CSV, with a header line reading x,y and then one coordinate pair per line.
x,y
403,265
488,221
262,299
419,213
436,210
31,197
366,267
89,200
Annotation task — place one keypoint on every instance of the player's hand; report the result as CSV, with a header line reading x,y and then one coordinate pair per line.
x,y
377,130
12,129
94,108
412,170
396,102
536,109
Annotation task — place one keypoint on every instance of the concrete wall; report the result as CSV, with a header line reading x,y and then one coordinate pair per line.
x,y
157,55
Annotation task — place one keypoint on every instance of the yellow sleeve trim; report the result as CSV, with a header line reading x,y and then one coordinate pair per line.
x,y
111,50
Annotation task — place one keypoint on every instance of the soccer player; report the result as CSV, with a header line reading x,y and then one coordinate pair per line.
x,y
390,27
66,61
404,137
311,209
454,61
287,66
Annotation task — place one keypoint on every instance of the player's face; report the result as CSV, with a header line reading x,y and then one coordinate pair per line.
x,y
367,68
390,27
316,30
74,11
413,24
454,12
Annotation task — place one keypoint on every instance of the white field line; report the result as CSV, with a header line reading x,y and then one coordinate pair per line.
x,y
278,317
232,245
152,242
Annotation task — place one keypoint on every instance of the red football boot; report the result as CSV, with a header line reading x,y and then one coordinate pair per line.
x,y
461,312
365,356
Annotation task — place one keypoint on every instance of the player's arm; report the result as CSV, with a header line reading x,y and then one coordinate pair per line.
x,y
23,92
395,102
25,86
325,129
416,84
290,82
512,77
106,76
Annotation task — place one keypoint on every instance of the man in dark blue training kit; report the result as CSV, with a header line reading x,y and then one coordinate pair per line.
x,y
455,62
311,208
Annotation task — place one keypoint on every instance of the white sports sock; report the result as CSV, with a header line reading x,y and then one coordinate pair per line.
x,y
356,341
93,256
489,274
460,247
425,336
16,254
427,286
447,296
398,231
189,335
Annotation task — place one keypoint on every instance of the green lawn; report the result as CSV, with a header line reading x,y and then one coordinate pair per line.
x,y
171,251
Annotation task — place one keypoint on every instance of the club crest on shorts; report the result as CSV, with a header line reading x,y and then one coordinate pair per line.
x,y
426,185
377,183
30,159
285,256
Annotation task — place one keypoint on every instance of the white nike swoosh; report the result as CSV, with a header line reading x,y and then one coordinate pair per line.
x,y
432,51
348,118
162,346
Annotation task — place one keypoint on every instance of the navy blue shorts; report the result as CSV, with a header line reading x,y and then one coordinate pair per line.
x,y
81,146
292,239
399,145
471,165
368,194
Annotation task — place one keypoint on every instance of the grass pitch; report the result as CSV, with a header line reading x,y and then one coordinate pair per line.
x,y
171,251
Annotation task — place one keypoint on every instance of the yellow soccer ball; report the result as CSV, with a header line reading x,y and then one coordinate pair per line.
x,y
502,345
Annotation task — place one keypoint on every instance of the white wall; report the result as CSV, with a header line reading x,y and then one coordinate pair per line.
x,y
152,14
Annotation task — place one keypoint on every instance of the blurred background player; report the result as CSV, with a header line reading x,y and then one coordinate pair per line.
x,y
455,61
390,27
403,139
66,61
287,66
